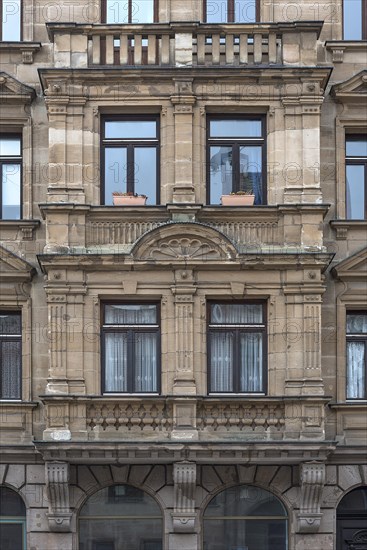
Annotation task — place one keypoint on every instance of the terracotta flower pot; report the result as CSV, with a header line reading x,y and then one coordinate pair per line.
x,y
237,200
128,200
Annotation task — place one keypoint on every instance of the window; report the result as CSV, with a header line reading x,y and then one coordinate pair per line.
x,y
129,11
231,11
236,157
355,19
351,520
11,355
12,520
11,169
244,518
11,17
357,355
131,519
236,348
356,176
130,348
130,157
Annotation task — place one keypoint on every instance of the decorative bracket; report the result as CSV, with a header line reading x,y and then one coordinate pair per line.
x,y
312,478
184,477
57,484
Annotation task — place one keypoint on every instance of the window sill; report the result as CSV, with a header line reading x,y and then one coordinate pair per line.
x,y
27,49
339,47
343,226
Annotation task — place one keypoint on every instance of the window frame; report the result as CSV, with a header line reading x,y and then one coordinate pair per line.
x,y
20,23
124,329
231,13
247,330
355,161
130,3
18,159
19,519
355,337
130,145
237,142
363,22
13,338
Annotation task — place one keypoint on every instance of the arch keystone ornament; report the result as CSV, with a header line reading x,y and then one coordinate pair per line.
x,y
57,485
312,478
183,516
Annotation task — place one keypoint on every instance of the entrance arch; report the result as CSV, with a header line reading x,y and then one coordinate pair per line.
x,y
120,517
351,520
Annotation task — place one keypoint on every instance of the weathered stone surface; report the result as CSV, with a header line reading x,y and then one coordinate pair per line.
x,y
348,477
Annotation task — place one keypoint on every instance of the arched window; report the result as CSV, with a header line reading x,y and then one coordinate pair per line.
x,y
120,517
12,520
352,520
245,518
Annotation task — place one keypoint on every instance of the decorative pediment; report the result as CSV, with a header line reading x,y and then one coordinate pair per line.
x,y
352,89
179,242
14,269
354,267
13,91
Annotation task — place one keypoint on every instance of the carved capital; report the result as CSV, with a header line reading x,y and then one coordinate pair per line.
x,y
312,478
184,477
57,485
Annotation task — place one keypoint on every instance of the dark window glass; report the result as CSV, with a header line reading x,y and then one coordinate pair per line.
x,y
130,155
11,355
129,11
357,355
356,177
11,20
130,343
12,520
236,348
10,167
230,11
355,19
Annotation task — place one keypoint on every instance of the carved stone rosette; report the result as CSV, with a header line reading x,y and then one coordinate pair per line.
x,y
183,517
57,484
312,478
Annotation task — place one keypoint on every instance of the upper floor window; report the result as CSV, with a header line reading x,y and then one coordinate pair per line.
x,y
357,355
236,157
355,19
231,11
129,11
11,168
356,176
130,157
130,348
236,348
10,355
11,20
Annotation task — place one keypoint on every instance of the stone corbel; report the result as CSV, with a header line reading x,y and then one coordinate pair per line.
x,y
57,485
312,479
184,477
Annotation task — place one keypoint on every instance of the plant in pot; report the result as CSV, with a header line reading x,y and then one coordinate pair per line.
x,y
128,198
238,198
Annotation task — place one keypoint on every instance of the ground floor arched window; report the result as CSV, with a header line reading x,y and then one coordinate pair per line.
x,y
120,517
351,521
245,518
12,520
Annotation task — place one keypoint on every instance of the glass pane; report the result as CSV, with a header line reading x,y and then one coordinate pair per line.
x,y
10,147
10,323
357,323
142,11
145,362
251,362
11,353
352,14
112,534
11,191
226,534
235,128
11,18
356,370
116,362
131,314
131,129
354,502
120,500
11,504
220,173
356,148
145,172
115,171
243,314
245,500
245,11
216,11
11,536
221,361
117,11
251,172
355,192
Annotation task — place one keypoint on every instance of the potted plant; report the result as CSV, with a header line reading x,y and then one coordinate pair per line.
x,y
128,198
238,198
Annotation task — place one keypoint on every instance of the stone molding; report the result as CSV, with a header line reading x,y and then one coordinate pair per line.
x,y
57,485
183,517
312,479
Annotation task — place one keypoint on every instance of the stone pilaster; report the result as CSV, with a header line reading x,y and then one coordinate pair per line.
x,y
312,479
57,485
184,477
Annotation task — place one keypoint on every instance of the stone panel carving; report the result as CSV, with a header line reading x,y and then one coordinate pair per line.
x,y
184,477
312,478
57,484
